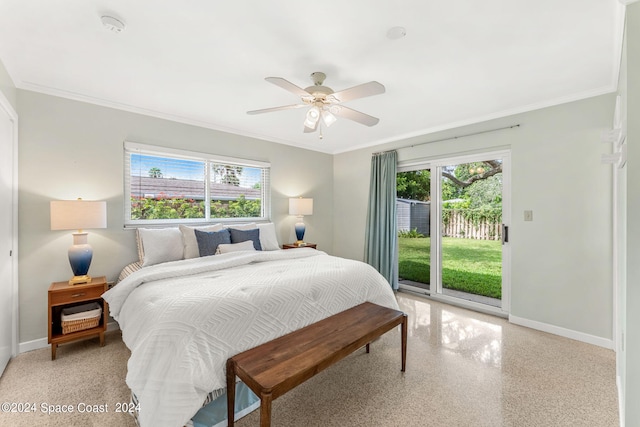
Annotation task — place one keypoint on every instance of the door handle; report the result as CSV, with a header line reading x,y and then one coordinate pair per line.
x,y
505,234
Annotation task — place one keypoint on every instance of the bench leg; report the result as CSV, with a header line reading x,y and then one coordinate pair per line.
x,y
265,410
231,392
404,342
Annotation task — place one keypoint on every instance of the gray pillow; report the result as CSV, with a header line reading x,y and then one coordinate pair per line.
x,y
208,241
239,236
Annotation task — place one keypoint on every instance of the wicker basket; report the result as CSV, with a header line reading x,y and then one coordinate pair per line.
x,y
79,318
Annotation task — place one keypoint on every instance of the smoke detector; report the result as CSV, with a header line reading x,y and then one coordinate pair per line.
x,y
396,33
112,24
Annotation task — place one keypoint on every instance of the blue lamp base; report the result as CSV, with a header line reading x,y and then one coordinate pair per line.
x,y
80,255
300,229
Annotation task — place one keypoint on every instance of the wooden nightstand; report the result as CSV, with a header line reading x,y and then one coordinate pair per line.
x,y
294,246
62,295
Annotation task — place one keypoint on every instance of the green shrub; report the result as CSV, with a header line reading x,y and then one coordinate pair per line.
x,y
164,207
411,234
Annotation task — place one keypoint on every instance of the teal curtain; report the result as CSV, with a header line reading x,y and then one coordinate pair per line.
x,y
381,238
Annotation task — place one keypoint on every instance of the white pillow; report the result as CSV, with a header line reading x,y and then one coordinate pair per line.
x,y
236,247
189,239
268,238
249,226
160,245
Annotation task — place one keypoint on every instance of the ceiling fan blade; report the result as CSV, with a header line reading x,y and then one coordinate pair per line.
x,y
284,107
354,115
287,85
360,91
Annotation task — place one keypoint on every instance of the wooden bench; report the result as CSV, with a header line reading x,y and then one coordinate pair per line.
x,y
274,368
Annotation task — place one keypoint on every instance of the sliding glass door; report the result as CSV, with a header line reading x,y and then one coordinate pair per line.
x,y
413,210
463,254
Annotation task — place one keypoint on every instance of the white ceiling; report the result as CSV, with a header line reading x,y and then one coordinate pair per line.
x,y
204,62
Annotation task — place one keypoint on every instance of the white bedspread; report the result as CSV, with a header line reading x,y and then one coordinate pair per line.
x,y
182,320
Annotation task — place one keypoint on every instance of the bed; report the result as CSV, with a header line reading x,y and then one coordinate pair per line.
x,y
183,318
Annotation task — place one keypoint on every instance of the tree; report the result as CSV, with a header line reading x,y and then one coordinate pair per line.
x,y
155,173
414,185
465,174
486,194
479,183
227,174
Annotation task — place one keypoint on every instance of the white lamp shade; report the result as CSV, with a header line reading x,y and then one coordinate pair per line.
x,y
300,206
78,214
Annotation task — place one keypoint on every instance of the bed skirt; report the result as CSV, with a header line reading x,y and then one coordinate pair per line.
x,y
214,411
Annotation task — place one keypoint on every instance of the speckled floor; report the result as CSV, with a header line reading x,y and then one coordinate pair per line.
x,y
463,369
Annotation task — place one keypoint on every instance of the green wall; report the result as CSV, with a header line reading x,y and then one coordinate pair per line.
x,y
71,149
632,301
561,270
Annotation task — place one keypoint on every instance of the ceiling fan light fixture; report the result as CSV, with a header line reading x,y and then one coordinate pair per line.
x,y
328,118
312,117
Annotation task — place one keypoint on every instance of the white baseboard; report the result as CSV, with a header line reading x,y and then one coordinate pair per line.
x,y
563,332
23,347
620,400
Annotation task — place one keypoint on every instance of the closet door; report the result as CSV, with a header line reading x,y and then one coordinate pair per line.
x,y
8,292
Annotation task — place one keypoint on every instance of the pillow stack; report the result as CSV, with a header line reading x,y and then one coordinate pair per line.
x,y
157,245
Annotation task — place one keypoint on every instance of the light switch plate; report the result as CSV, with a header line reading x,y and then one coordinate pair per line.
x,y
528,215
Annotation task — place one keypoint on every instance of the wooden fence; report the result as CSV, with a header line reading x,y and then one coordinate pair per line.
x,y
458,226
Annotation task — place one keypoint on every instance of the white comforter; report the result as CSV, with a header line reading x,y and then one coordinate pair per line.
x,y
182,320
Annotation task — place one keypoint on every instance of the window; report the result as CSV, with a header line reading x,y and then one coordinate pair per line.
x,y
164,186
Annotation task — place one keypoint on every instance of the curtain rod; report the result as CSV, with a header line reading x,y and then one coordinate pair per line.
x,y
451,137
462,136
377,153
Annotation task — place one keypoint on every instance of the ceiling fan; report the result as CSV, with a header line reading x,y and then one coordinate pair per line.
x,y
324,103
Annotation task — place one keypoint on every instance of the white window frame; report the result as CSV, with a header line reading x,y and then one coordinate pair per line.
x,y
137,148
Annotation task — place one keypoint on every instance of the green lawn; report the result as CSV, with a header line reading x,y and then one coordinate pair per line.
x,y
468,265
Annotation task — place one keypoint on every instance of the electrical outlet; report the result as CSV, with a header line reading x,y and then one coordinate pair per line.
x,y
528,215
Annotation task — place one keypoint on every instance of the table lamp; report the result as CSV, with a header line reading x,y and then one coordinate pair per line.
x,y
79,215
300,207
